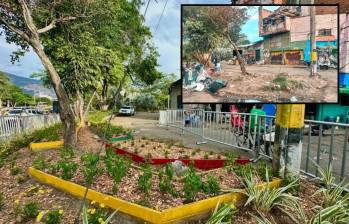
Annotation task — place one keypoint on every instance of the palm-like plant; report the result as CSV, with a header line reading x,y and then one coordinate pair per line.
x,y
222,214
266,198
331,192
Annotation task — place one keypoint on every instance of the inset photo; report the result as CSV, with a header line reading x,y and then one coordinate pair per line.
x,y
280,54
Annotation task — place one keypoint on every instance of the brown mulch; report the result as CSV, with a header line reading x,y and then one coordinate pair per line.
x,y
30,190
157,149
129,190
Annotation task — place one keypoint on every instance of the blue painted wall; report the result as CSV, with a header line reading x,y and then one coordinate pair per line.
x,y
319,44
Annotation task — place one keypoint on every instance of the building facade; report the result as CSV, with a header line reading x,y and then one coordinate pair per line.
x,y
286,35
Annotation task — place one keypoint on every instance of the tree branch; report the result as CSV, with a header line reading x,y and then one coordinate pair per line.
x,y
54,22
28,18
14,29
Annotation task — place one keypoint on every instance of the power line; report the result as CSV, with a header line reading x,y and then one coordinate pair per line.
x,y
157,26
146,9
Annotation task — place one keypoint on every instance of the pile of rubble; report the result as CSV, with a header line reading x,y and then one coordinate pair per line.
x,y
196,78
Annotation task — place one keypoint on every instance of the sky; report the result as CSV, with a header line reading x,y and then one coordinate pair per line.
x,y
166,38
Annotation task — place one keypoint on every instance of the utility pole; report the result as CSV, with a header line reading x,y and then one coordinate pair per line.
x,y
287,153
313,54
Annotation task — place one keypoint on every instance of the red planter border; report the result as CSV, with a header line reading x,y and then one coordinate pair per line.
x,y
203,164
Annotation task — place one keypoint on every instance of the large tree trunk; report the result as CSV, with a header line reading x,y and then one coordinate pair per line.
x,y
204,59
32,38
66,112
238,55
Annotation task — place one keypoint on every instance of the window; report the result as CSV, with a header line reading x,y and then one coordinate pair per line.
x,y
324,32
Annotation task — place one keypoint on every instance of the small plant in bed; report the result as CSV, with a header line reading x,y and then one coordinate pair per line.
x,y
39,163
67,169
30,211
117,167
90,167
192,184
144,181
53,217
165,180
211,186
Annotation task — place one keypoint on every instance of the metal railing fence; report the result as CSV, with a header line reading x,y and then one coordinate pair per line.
x,y
323,142
14,125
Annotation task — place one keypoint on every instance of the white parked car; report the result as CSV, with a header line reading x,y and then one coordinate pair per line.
x,y
17,112
127,110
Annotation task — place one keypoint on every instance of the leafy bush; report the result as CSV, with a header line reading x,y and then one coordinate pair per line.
x,y
117,167
2,203
97,116
50,133
39,163
165,180
53,217
67,153
109,130
67,169
211,187
145,101
144,181
90,167
30,211
192,184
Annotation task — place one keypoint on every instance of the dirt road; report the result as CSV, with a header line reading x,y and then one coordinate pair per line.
x,y
259,85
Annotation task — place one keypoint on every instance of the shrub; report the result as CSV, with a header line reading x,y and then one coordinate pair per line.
x,y
192,184
211,187
117,167
90,167
165,180
30,211
144,181
53,217
67,169
39,163
108,130
66,153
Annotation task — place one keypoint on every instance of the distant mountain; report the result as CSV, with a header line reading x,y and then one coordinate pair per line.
x,y
31,86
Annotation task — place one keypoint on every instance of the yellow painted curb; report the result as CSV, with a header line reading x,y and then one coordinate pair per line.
x,y
45,145
171,215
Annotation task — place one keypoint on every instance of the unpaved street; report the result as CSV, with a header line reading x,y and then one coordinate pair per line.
x,y
259,85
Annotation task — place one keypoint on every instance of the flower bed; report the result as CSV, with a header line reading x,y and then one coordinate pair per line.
x,y
157,188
